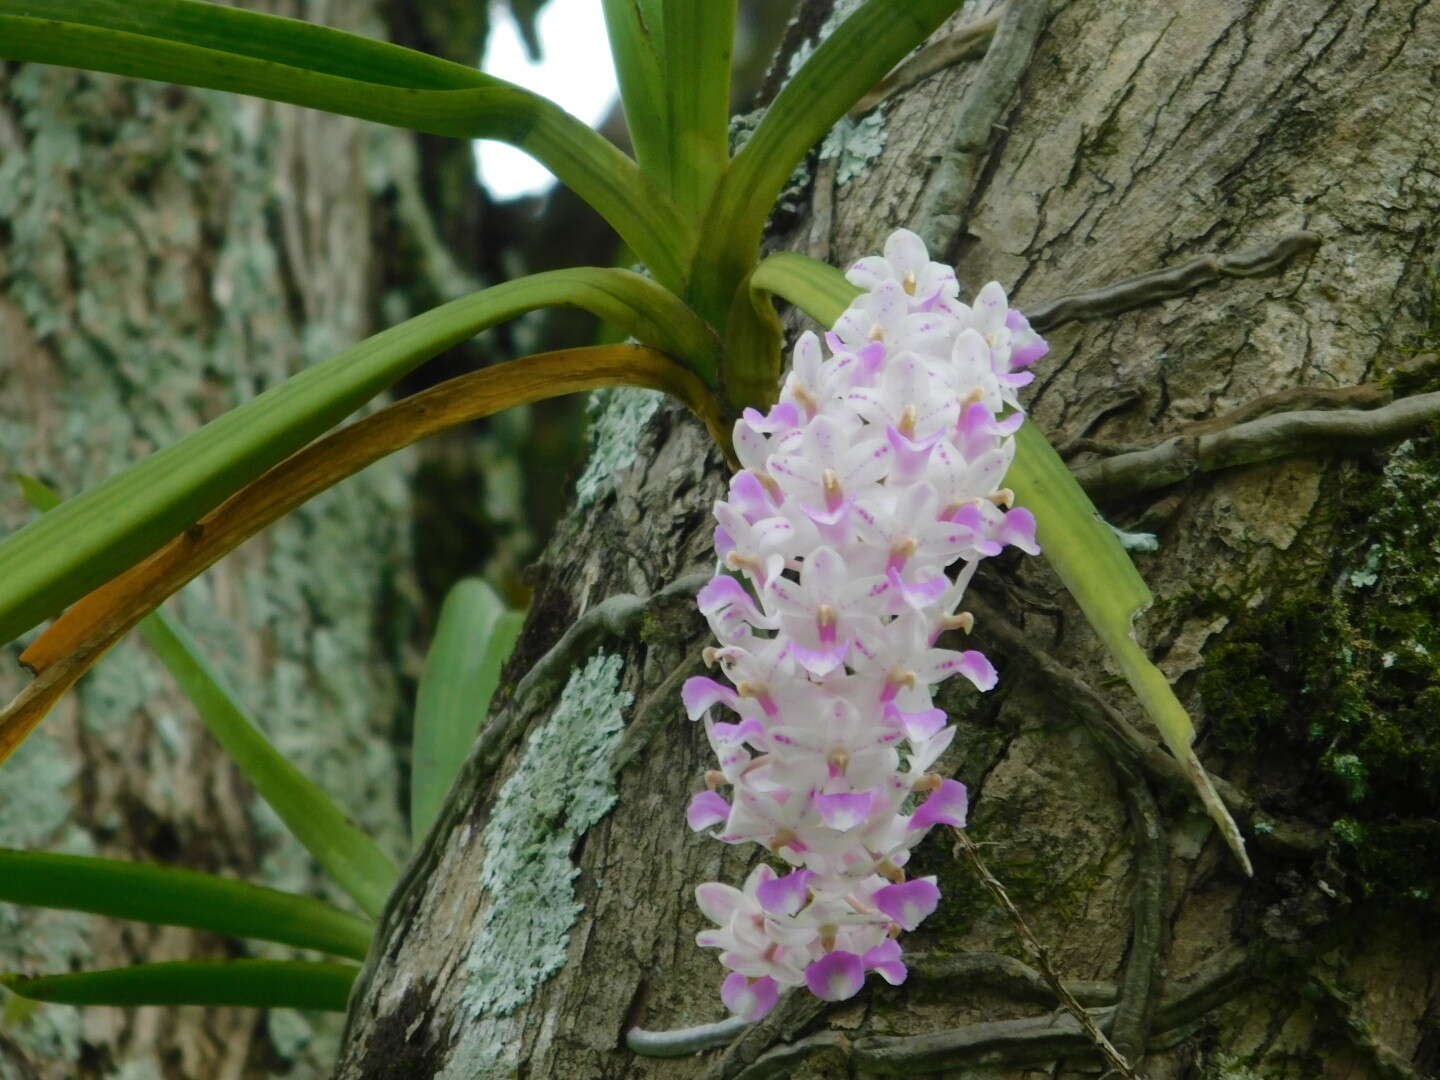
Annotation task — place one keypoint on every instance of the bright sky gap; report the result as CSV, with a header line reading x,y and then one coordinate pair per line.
x,y
575,72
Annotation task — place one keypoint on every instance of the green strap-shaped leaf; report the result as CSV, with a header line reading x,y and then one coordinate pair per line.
x,y
215,46
260,984
636,41
279,40
844,66
345,852
353,859
816,288
1083,551
673,62
473,639
95,535
169,897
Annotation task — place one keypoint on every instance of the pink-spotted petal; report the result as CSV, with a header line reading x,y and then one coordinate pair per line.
x,y
718,901
940,664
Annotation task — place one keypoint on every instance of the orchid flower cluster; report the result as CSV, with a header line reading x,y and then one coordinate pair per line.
x,y
878,470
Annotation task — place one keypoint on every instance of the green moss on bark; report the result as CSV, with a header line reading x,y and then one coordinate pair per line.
x,y
1340,686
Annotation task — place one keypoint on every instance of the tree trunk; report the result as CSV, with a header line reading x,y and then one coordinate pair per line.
x,y
551,909
165,255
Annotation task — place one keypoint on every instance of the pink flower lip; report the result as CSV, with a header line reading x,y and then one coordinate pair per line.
x,y
945,806
750,998
707,808
785,895
836,976
909,902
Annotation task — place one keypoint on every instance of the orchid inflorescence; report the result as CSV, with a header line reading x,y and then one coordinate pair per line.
x,y
877,470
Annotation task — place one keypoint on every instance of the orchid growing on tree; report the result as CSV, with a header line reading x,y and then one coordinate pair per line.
x,y
871,483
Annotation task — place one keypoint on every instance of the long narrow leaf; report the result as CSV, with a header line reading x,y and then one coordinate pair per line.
x,y
169,897
345,852
99,533
275,38
212,46
350,857
473,640
1083,551
75,641
699,52
260,984
634,30
844,66
1087,557
673,63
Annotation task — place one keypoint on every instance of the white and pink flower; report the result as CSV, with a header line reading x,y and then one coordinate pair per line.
x,y
869,494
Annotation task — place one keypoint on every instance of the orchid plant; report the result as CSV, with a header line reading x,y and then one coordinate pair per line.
x,y
866,481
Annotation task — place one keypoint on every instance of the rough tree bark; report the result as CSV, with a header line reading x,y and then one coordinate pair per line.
x,y
164,255
540,922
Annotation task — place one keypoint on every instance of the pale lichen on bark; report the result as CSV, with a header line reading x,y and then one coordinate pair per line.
x,y
618,418
561,787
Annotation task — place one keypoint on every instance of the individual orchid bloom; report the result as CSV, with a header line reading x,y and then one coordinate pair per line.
x,y
905,530
885,316
730,610
971,374
868,495
753,942
908,263
956,478
1026,346
829,466
902,652
756,547
758,670
824,612
842,752
908,404
813,382
908,398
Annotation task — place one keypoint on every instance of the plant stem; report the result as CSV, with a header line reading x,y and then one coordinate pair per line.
x,y
1121,1067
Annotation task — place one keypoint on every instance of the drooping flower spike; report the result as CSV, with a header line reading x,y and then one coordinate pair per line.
x,y
869,494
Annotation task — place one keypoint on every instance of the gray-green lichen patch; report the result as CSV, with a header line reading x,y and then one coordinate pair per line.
x,y
855,144
562,786
618,418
